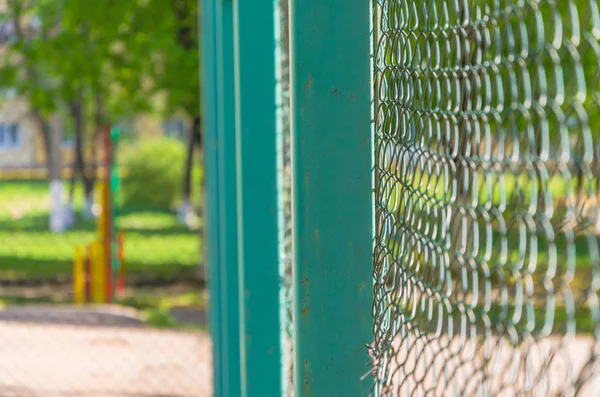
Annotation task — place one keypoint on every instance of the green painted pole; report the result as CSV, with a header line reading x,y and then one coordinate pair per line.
x,y
211,166
114,191
332,184
257,197
228,202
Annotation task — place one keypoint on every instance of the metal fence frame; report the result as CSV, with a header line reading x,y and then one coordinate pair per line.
x,y
331,133
335,80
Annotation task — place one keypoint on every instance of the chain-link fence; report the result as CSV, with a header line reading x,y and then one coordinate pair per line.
x,y
486,262
151,339
285,196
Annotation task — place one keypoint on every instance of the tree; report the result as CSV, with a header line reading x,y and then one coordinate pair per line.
x,y
186,14
24,68
96,67
87,65
99,71
176,73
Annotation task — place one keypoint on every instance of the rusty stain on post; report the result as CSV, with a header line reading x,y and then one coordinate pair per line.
x,y
309,82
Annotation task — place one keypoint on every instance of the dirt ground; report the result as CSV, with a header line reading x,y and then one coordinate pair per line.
x,y
55,359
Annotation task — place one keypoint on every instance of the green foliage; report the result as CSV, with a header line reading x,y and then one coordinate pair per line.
x,y
197,183
174,35
121,51
154,174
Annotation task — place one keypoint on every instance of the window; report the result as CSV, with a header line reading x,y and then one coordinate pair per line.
x,y
7,31
10,137
8,93
175,128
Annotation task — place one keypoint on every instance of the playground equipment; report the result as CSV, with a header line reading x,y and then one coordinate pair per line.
x,y
99,268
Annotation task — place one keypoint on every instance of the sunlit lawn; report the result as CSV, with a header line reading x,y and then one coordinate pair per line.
x,y
156,246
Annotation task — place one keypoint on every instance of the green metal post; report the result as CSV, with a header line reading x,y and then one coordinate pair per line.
x,y
114,190
332,206
257,197
211,166
230,319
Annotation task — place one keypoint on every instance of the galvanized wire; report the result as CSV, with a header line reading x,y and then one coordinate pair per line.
x,y
487,263
286,190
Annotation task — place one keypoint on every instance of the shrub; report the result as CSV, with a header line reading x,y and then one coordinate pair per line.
x,y
154,174
197,184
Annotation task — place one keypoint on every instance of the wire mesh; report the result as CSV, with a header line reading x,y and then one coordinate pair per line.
x,y
286,190
487,143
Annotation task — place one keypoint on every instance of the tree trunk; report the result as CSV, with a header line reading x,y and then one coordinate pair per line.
x,y
186,210
76,110
87,179
98,124
51,135
186,37
70,207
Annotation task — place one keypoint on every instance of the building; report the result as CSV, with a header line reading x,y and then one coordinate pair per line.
x,y
22,148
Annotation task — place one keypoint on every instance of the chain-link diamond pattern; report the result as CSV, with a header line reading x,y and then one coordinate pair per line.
x,y
487,258
285,196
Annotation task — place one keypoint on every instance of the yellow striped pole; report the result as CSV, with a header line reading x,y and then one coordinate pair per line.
x,y
98,279
102,231
100,224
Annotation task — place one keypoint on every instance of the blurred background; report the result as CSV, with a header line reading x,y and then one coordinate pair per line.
x,y
69,70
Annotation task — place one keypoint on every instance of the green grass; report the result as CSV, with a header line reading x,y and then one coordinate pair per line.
x,y
533,319
496,189
156,246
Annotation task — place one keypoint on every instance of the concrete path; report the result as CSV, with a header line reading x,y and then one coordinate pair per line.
x,y
58,360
